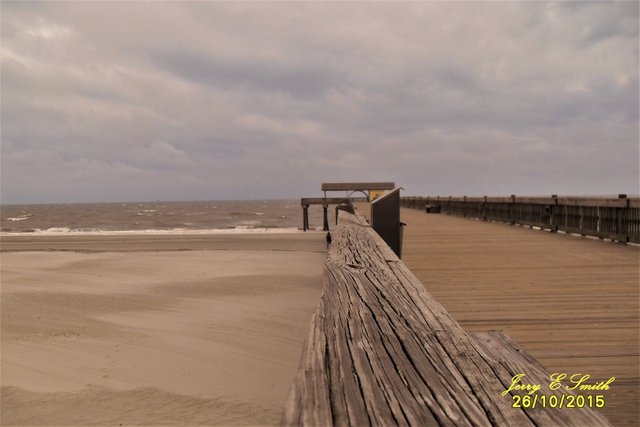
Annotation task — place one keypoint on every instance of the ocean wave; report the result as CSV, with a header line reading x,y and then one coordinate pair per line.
x,y
147,212
241,229
19,218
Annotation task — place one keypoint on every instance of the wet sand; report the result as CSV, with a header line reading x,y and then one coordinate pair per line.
x,y
154,330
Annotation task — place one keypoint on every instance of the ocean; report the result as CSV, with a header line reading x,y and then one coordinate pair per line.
x,y
245,216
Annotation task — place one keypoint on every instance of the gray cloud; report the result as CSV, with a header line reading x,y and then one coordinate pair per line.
x,y
293,80
132,101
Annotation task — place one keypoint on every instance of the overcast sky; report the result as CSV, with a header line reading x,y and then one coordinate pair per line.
x,y
120,101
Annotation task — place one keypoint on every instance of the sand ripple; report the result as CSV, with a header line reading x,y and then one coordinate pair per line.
x,y
142,406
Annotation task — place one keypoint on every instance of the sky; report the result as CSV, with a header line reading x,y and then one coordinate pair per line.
x,y
123,101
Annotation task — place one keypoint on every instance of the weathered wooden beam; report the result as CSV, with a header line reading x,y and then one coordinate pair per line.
x,y
323,200
331,200
507,359
354,186
382,351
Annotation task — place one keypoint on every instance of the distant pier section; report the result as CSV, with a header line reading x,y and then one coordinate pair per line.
x,y
370,191
612,218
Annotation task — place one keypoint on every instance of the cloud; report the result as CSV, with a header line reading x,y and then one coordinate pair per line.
x,y
296,80
158,154
229,100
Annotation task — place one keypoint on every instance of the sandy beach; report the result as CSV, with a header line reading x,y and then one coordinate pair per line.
x,y
154,330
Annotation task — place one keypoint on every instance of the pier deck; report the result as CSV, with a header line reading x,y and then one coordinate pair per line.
x,y
571,302
382,351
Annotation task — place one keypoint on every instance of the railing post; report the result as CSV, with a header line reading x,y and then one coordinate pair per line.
x,y
464,206
484,209
621,213
513,209
553,208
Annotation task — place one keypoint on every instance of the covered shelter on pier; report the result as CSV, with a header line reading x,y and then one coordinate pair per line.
x,y
371,190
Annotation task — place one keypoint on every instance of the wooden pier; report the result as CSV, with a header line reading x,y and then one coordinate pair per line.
x,y
604,217
305,202
383,351
370,190
571,302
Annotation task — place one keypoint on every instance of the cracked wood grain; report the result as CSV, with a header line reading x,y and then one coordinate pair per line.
x,y
381,351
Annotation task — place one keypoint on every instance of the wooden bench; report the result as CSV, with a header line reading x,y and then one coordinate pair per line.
x,y
381,351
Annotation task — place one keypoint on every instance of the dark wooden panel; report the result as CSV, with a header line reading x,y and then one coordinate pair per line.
x,y
385,219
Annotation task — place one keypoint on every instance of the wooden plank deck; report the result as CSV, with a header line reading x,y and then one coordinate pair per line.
x,y
382,351
571,302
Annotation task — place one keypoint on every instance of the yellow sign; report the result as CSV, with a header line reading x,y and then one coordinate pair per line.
x,y
374,194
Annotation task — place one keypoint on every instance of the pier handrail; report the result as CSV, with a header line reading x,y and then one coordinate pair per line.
x,y
382,351
612,218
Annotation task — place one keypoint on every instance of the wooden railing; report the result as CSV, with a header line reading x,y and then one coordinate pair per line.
x,y
381,351
613,218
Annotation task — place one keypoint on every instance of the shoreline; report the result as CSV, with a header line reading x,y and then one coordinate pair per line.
x,y
63,231
84,243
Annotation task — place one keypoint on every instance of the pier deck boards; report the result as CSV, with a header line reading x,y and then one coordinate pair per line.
x,y
571,302
382,351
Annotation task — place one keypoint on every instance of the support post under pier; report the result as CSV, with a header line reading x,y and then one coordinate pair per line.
x,y
305,217
325,222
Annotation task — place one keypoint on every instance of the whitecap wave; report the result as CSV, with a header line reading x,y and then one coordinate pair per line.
x,y
241,229
19,218
146,212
